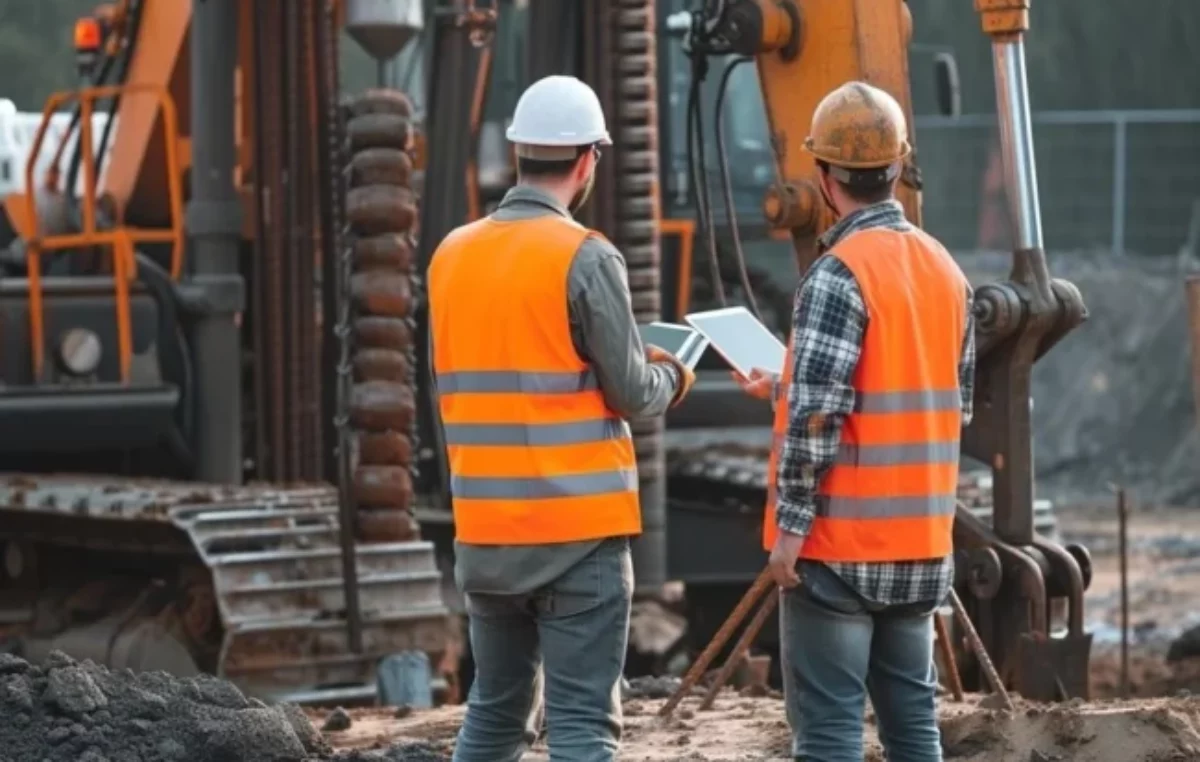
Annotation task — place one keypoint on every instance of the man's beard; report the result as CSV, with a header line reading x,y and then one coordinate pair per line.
x,y
582,195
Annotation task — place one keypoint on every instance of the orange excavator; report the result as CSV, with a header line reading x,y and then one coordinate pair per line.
x,y
235,305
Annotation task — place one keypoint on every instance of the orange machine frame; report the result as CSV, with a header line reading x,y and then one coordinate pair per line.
x,y
686,230
121,238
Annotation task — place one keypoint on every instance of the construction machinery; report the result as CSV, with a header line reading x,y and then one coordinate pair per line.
x,y
232,297
240,299
1012,577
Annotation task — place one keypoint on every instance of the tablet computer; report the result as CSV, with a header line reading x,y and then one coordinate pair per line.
x,y
737,336
685,343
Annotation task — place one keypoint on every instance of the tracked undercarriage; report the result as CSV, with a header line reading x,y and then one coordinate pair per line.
x,y
243,582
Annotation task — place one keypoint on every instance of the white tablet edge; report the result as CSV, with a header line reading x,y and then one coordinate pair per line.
x,y
744,372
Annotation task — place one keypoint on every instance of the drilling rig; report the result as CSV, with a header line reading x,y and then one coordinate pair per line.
x,y
236,305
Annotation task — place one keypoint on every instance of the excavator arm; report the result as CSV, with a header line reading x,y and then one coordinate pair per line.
x,y
803,49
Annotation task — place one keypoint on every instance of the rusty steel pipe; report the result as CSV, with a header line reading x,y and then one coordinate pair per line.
x,y
977,647
946,647
757,590
1123,550
335,253
1192,287
741,647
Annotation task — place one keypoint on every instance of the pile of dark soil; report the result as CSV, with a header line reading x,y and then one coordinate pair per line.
x,y
72,711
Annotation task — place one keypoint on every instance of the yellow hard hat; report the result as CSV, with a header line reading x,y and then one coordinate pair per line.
x,y
858,126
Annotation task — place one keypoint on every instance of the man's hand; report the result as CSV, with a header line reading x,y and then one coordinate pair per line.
x,y
783,559
760,385
686,376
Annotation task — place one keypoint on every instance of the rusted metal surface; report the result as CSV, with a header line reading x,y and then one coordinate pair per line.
x,y
336,267
980,652
946,649
290,228
1123,555
741,648
1193,304
276,575
636,211
756,592
617,56
381,214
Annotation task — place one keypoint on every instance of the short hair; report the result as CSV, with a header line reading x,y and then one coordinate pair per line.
x,y
863,186
549,169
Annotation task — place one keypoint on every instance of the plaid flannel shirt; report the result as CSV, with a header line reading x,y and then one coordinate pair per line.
x,y
828,324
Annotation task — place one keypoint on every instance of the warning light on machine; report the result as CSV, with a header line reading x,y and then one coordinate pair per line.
x,y
87,34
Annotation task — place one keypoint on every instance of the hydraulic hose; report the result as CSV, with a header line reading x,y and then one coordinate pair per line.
x,y
727,186
699,173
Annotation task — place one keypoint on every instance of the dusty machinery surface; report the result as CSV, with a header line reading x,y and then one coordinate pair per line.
x,y
234,296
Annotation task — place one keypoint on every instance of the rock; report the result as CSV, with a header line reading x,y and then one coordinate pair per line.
x,y
337,721
1186,646
74,691
309,738
10,664
991,701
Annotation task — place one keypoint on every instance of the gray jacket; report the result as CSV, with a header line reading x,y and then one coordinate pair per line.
x,y
605,335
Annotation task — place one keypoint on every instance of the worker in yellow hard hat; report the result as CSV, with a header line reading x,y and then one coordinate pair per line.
x,y
876,387
538,365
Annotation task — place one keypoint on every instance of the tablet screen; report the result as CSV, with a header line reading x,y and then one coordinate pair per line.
x,y
685,343
744,342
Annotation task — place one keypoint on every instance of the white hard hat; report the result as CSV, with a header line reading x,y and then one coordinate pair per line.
x,y
557,111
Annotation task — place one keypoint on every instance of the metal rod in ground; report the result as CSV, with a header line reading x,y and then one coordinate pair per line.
x,y
741,647
947,649
1123,551
985,661
761,584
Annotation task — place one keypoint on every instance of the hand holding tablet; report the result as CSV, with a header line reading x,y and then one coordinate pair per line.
x,y
685,344
744,342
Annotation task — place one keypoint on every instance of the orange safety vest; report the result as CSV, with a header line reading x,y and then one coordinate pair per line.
x,y
891,493
536,456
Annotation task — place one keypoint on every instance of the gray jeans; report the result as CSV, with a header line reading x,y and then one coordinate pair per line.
x,y
561,650
836,650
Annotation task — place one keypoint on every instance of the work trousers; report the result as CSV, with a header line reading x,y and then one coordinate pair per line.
x,y
561,650
836,650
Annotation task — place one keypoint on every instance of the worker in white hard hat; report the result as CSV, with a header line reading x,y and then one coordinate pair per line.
x,y
538,366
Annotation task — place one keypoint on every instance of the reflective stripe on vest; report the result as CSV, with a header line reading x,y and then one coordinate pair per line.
x,y
536,456
891,492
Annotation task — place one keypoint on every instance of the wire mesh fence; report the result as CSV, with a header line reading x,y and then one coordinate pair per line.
x,y
1125,181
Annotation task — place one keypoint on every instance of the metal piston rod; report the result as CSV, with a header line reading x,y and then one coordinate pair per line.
x,y
1010,575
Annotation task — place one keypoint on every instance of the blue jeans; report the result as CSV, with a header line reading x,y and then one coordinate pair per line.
x,y
567,641
836,649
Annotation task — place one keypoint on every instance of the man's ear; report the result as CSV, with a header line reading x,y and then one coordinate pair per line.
x,y
582,167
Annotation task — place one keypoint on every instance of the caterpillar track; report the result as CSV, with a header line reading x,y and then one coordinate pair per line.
x,y
251,579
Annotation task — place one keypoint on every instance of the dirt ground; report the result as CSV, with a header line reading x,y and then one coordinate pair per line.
x,y
1160,724
746,729
1164,595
